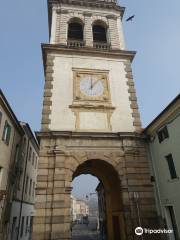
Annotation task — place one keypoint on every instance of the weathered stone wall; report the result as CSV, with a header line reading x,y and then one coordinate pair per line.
x,y
62,153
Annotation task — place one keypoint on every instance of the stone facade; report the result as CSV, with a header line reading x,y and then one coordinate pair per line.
x,y
61,16
97,135
165,183
66,155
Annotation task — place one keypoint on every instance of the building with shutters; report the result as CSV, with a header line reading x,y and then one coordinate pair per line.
x,y
18,171
164,150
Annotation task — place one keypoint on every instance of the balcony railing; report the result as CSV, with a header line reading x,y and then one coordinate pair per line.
x,y
75,44
101,45
81,44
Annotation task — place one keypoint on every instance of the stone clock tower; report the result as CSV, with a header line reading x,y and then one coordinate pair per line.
x,y
90,121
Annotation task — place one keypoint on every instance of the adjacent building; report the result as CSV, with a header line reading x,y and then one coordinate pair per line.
x,y
18,172
22,211
11,134
79,208
164,150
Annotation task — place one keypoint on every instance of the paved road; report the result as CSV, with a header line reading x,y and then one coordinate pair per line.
x,y
84,232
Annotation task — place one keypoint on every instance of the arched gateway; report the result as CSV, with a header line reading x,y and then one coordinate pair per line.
x,y
105,171
90,122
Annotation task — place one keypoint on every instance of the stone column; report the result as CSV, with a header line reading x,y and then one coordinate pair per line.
x,y
121,33
138,196
113,32
88,35
53,201
61,208
53,26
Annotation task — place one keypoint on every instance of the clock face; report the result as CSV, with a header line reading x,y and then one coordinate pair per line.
x,y
91,86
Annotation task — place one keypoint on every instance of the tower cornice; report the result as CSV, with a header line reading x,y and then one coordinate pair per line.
x,y
89,3
57,48
98,4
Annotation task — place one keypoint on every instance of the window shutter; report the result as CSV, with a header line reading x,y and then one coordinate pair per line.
x,y
8,133
166,134
0,117
160,136
171,166
4,131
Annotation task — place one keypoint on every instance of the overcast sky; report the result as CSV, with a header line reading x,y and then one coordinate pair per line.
x,y
154,34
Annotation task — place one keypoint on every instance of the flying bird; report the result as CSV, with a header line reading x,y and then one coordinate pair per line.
x,y
130,18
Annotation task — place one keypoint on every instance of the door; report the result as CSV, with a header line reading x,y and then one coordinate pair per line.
x,y
116,228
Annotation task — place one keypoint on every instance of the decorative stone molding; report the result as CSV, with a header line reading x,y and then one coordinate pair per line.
x,y
113,33
100,18
47,93
111,17
132,97
63,11
75,15
88,14
74,154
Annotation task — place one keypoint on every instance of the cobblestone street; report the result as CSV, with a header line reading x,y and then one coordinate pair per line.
x,y
84,232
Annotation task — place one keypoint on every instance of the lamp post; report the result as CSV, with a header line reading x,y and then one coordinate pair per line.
x,y
136,200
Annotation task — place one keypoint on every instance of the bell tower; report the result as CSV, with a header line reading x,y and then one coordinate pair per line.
x,y
89,84
90,121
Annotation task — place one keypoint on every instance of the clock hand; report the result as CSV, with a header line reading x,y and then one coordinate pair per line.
x,y
91,83
95,83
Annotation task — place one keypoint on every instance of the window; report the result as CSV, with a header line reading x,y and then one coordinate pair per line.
x,y
171,166
75,30
22,227
24,144
33,192
16,153
35,163
33,158
27,222
14,229
6,133
99,32
163,134
26,186
31,227
0,173
30,186
0,117
30,153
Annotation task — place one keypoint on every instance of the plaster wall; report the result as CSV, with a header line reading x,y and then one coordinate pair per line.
x,y
27,211
168,188
62,117
7,152
30,171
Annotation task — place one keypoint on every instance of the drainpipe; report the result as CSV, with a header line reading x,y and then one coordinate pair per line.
x,y
22,196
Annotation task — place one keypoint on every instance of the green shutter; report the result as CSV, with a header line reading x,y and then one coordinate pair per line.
x,y
0,117
4,131
8,134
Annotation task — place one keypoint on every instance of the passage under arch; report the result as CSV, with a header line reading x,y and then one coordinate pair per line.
x,y
111,185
